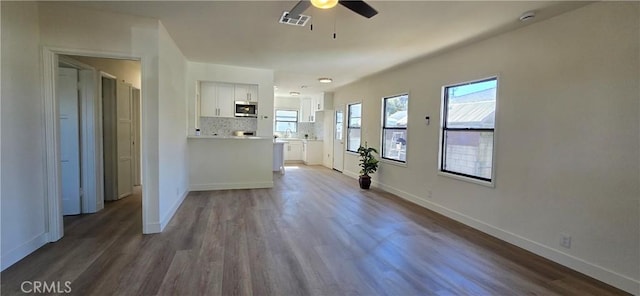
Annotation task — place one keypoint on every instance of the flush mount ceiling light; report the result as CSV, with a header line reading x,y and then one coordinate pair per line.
x,y
325,80
324,4
294,93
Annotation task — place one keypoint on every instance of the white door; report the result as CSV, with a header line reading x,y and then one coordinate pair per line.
x,y
67,93
338,139
124,139
136,136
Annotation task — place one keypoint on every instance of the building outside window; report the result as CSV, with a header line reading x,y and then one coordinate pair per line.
x,y
468,127
394,128
286,121
353,126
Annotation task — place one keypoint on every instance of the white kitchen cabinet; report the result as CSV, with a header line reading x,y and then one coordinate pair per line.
x,y
246,92
293,151
216,99
312,152
323,101
307,111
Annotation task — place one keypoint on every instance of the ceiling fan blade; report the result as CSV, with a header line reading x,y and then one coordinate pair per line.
x,y
359,7
299,8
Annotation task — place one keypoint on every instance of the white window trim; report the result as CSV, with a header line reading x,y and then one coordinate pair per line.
x,y
492,183
275,121
346,130
387,160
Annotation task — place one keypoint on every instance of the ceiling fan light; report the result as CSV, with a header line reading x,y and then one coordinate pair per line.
x,y
325,80
324,4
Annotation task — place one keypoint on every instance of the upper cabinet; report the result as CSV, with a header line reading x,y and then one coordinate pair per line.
x,y
217,99
246,92
307,110
323,101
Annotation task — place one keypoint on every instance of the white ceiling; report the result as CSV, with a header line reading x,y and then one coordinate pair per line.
x,y
247,33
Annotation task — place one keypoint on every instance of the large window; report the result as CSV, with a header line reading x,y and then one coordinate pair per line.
x,y
286,121
467,129
353,127
394,128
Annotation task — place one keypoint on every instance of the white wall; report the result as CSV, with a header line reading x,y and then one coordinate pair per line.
x,y
116,35
126,70
567,138
222,73
22,186
227,163
287,103
172,112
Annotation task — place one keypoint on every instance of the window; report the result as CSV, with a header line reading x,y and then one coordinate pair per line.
x,y
353,127
467,129
394,128
286,121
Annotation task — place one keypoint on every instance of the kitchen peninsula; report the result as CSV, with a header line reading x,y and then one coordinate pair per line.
x,y
228,162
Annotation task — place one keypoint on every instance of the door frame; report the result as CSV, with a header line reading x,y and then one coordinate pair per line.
x,y
53,196
333,140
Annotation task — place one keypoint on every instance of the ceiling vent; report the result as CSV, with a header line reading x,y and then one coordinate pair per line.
x,y
301,20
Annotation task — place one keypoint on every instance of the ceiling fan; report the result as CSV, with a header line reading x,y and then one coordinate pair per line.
x,y
357,6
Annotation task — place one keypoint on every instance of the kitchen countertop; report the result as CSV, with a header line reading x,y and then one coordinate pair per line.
x,y
230,137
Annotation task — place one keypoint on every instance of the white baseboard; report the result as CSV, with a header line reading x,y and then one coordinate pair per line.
x,y
151,228
598,272
224,186
23,250
172,211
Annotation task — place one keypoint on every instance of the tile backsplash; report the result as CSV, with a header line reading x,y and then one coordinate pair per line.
x,y
223,126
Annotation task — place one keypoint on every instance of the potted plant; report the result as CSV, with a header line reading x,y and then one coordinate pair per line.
x,y
368,163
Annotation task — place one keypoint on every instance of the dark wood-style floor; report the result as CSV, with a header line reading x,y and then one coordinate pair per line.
x,y
315,233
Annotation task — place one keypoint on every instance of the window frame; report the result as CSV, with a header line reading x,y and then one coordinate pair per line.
x,y
383,128
443,122
349,128
275,119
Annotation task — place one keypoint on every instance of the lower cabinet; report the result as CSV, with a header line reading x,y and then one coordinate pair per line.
x,y
293,151
312,152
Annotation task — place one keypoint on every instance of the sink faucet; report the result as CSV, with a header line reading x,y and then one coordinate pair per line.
x,y
287,133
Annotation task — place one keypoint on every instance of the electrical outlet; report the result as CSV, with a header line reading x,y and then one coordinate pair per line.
x,y
565,240
429,194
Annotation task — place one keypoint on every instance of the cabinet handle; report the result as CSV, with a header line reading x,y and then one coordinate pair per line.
x,y
318,106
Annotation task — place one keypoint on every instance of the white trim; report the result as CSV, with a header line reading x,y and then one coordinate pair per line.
x,y
55,227
346,123
491,183
225,186
590,269
19,252
150,228
399,163
172,211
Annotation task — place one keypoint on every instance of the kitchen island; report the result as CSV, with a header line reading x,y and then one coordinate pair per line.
x,y
220,162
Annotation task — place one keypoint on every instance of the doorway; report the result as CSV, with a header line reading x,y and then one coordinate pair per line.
x,y
74,133
338,139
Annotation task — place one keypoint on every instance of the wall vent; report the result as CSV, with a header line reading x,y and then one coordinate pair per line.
x,y
301,20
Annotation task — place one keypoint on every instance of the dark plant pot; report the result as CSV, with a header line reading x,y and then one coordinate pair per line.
x,y
365,182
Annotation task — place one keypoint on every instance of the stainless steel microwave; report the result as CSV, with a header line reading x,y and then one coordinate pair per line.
x,y
246,109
